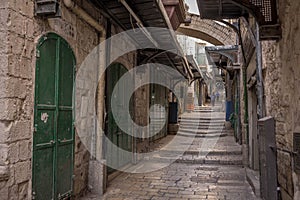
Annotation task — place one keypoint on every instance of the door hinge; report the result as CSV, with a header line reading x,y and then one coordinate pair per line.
x,y
33,195
35,128
37,54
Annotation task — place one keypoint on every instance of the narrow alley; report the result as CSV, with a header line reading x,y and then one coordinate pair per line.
x,y
213,172
149,99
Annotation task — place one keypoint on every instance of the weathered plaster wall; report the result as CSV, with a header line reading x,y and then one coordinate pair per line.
x,y
281,63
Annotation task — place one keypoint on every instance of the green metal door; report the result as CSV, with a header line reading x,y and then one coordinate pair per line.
x,y
53,139
123,141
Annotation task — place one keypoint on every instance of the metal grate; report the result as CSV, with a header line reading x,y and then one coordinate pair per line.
x,y
267,9
296,148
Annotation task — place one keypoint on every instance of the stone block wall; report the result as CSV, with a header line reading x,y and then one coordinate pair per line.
x,y
19,33
281,63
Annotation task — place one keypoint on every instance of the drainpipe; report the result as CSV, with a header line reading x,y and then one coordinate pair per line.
x,y
259,77
70,4
244,71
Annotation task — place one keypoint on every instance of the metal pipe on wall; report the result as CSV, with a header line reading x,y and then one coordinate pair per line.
x,y
70,4
260,89
244,74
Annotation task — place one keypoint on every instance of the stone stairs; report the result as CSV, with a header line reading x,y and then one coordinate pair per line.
x,y
206,124
202,124
202,139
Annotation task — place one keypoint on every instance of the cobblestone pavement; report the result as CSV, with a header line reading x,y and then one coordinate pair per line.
x,y
199,175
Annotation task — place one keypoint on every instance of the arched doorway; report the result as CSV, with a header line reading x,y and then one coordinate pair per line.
x,y
53,138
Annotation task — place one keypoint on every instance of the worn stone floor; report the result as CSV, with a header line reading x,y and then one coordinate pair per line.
x,y
197,174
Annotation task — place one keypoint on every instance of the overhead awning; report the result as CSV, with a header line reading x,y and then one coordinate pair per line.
x,y
220,55
194,67
264,11
130,14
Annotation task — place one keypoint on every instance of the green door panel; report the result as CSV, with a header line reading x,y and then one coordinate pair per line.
x,y
44,169
64,170
114,133
66,77
53,140
65,126
44,126
45,89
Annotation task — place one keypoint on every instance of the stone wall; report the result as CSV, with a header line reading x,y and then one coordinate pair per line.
x,y
281,63
20,31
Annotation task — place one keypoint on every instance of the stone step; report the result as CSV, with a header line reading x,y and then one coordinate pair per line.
x,y
199,135
199,120
203,108
213,160
202,120
189,159
200,126
204,125
213,109
204,131
214,152
205,111
195,153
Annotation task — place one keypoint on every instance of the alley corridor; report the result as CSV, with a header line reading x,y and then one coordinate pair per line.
x,y
213,173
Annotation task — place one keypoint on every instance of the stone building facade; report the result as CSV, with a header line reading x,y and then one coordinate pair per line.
x,y
20,31
82,26
281,75
280,72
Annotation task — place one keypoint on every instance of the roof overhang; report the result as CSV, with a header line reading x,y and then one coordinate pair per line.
x,y
197,73
150,13
264,11
220,55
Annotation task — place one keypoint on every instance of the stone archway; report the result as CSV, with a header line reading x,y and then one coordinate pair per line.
x,y
208,30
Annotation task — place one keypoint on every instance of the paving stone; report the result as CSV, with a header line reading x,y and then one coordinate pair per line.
x,y
218,175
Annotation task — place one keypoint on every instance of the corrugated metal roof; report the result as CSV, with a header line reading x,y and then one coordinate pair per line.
x,y
151,16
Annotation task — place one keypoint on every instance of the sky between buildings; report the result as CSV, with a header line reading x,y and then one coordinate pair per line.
x,y
193,6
